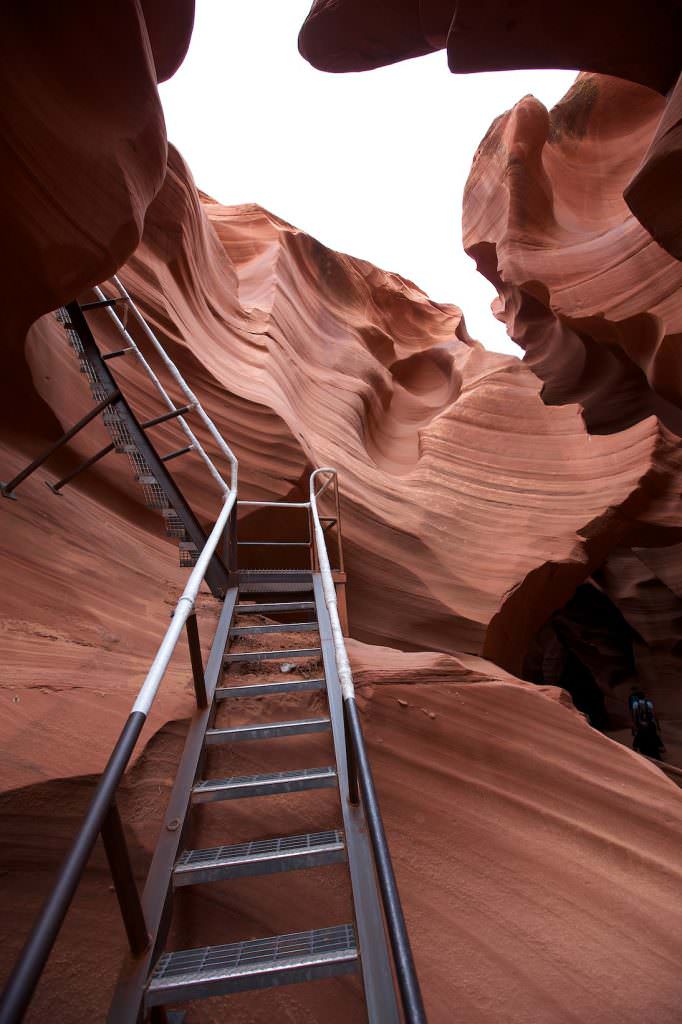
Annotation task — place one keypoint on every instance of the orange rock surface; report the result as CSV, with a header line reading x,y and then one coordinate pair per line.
x,y
597,305
84,145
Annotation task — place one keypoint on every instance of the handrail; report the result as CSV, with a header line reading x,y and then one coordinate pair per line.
x,y
342,662
193,401
183,610
408,982
182,383
33,958
101,810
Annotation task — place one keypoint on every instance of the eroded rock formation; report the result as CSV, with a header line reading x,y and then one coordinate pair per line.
x,y
348,35
597,305
359,369
84,145
471,508
499,517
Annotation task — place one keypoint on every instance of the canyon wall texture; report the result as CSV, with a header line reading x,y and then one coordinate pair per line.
x,y
501,519
487,35
461,489
596,303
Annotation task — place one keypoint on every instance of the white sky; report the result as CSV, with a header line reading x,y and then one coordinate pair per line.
x,y
372,164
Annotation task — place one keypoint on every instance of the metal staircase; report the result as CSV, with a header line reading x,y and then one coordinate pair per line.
x,y
130,436
256,662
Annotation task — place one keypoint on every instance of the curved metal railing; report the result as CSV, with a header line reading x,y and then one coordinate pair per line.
x,y
363,784
192,399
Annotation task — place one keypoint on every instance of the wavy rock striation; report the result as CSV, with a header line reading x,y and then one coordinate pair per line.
x,y
484,501
583,288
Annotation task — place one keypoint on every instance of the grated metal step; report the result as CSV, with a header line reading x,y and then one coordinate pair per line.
x,y
277,627
269,689
276,606
295,652
189,554
266,732
240,786
258,963
264,581
260,857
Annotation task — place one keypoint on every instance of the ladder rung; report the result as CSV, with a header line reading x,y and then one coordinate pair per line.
x,y
101,303
276,606
295,652
269,689
239,787
166,416
270,731
276,627
117,353
261,857
256,964
177,452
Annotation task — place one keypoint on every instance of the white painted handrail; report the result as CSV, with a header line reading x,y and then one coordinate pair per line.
x,y
182,383
342,662
185,605
193,401
182,611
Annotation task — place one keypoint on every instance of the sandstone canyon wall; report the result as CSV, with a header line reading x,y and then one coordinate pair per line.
x,y
486,501
597,305
573,215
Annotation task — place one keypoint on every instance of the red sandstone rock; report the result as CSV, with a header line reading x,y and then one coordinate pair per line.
x,y
597,305
583,288
412,412
472,509
84,142
653,195
347,35
487,35
419,419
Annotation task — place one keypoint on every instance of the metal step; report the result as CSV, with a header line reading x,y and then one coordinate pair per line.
x,y
258,963
276,606
262,581
269,689
266,732
260,857
261,575
263,785
277,627
273,544
295,652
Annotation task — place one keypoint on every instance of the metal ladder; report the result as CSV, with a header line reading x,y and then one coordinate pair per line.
x,y
165,978
374,940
